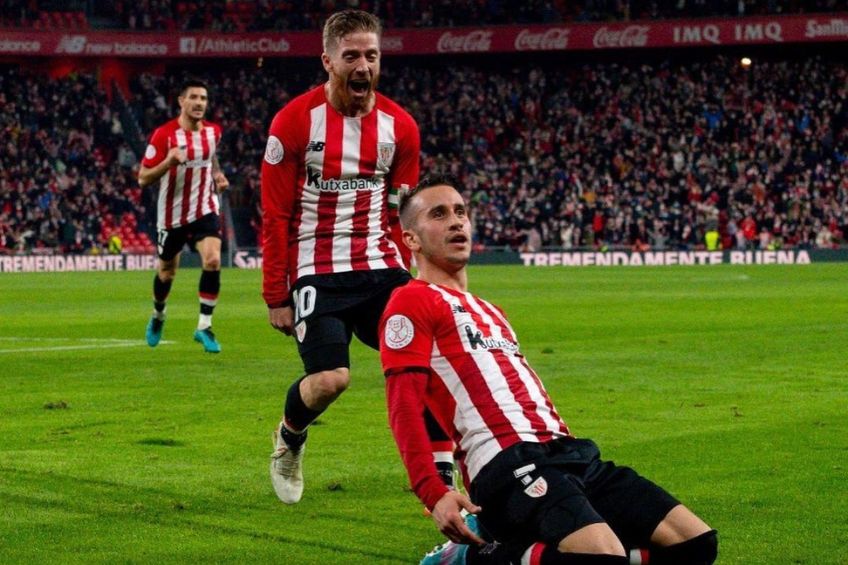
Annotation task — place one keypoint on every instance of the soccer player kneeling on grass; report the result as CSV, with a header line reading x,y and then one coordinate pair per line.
x,y
546,496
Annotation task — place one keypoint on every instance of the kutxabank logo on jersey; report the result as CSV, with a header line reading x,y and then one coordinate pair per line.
x,y
475,339
313,179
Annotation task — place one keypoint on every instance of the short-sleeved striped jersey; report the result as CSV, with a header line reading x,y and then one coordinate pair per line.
x,y
329,190
480,387
186,192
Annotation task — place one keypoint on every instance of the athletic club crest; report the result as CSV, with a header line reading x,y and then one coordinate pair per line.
x,y
300,331
385,154
537,488
399,331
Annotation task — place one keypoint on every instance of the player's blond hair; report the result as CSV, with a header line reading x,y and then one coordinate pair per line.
x,y
346,22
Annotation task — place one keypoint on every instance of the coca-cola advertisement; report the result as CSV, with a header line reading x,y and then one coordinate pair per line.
x,y
552,39
476,41
630,36
496,39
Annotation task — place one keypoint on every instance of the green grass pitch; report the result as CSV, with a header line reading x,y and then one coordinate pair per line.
x,y
728,385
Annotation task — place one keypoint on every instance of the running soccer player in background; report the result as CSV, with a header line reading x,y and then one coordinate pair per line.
x,y
335,160
181,157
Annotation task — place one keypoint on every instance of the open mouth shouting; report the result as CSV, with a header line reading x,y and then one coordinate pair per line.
x,y
359,87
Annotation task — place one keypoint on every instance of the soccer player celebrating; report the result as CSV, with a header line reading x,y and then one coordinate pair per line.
x,y
544,494
335,160
181,156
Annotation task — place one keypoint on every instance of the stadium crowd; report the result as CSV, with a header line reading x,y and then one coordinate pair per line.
x,y
643,155
252,15
66,175
603,155
600,155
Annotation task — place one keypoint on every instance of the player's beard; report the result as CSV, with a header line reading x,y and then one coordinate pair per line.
x,y
350,97
195,114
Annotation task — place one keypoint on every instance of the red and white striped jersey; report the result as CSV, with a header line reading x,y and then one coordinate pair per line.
x,y
479,385
329,190
186,192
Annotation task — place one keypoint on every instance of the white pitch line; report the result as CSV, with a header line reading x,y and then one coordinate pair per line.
x,y
94,339
89,343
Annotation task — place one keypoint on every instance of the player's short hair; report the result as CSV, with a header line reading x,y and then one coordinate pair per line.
x,y
405,208
346,22
192,82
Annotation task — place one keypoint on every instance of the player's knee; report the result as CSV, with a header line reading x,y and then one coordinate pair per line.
x,y
700,550
212,264
329,385
167,275
597,539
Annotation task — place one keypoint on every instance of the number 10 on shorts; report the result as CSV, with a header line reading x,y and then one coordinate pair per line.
x,y
304,302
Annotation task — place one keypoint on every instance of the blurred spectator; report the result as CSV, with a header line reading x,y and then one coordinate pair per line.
x,y
600,155
287,15
61,188
623,155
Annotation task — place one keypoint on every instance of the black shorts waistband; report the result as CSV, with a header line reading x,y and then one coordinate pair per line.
x,y
499,471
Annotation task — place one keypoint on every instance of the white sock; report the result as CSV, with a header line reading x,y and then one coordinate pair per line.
x,y
204,322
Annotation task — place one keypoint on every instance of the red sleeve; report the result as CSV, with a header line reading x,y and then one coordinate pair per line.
x,y
279,177
407,329
157,148
405,393
405,171
407,332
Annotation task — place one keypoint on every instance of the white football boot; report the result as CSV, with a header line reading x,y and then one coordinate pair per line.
x,y
287,470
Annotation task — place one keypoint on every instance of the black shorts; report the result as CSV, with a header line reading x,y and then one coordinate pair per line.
x,y
170,242
330,309
566,486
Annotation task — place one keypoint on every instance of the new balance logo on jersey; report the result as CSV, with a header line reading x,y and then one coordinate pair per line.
x,y
476,339
317,146
313,178
458,309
